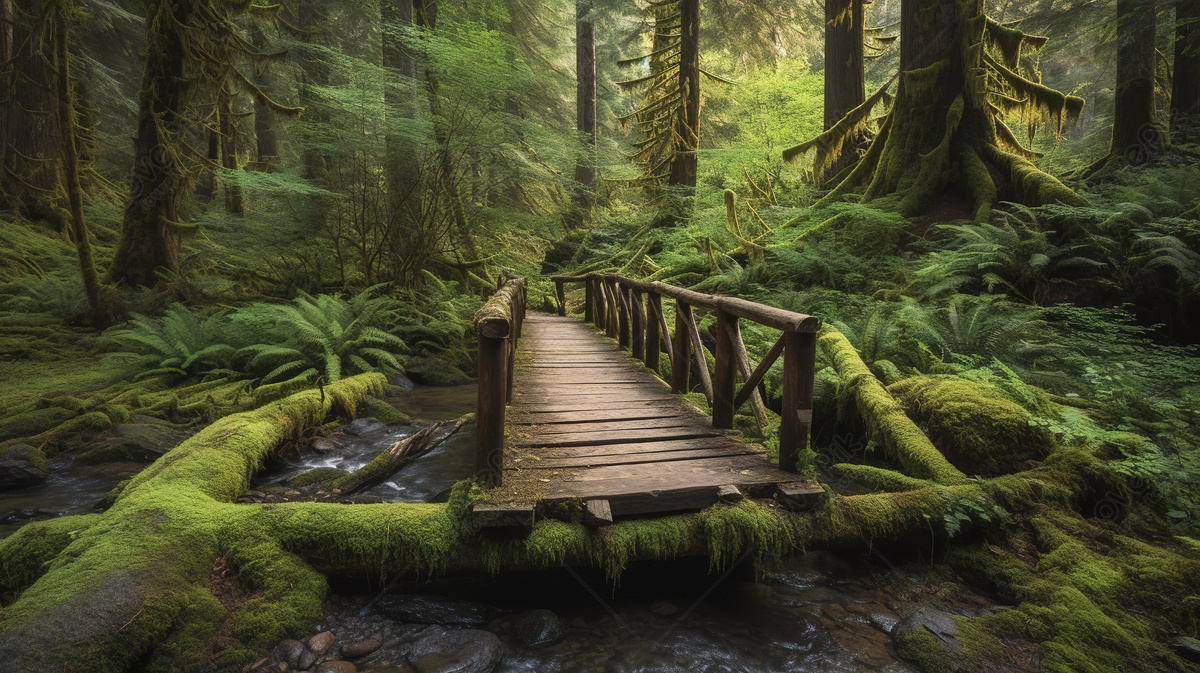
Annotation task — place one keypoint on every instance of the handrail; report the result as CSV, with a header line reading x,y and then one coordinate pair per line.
x,y
498,325
614,304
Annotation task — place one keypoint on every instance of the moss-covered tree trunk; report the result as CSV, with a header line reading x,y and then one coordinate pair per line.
x,y
684,160
234,203
945,131
266,143
149,234
585,103
1185,88
843,78
1136,133
30,152
67,128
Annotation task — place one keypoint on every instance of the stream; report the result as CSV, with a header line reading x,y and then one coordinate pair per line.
x,y
818,612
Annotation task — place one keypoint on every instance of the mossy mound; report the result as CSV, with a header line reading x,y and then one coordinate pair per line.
x,y
21,466
383,412
973,424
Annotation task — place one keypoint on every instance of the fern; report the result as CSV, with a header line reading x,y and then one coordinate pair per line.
x,y
181,344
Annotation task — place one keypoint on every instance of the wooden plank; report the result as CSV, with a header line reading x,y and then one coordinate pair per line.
x,y
628,459
737,470
659,446
615,436
597,513
594,415
730,494
501,516
592,401
800,496
674,421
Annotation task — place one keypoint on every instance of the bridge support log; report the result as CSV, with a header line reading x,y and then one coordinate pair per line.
x,y
561,295
799,362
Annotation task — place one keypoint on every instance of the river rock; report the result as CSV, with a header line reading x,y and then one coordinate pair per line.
x,y
537,628
307,659
289,651
663,608
455,651
323,445
361,648
1188,648
321,642
361,426
21,466
434,610
336,667
400,381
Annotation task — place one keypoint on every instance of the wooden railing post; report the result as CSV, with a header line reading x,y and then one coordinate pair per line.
x,y
589,311
601,307
614,308
637,341
561,296
622,314
799,363
653,332
493,384
681,360
723,377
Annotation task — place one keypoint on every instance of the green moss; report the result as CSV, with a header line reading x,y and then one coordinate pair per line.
x,y
35,422
320,475
24,452
883,415
922,648
24,554
888,480
973,424
383,412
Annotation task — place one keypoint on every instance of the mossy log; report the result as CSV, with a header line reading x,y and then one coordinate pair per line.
x,y
884,416
399,454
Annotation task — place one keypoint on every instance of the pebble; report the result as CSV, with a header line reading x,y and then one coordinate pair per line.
x,y
289,651
321,642
336,667
663,608
361,648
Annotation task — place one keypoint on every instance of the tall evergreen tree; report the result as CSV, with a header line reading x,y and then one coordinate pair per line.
x,y
585,102
844,79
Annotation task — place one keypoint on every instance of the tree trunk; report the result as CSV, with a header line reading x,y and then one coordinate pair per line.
x,y
207,185
314,72
843,75
229,158
1185,90
402,163
266,143
31,146
1136,133
149,240
687,127
70,164
585,102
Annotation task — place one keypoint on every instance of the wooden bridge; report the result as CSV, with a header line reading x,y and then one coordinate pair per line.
x,y
565,413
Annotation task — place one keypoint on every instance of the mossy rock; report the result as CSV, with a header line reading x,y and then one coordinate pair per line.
x,y
973,424
438,371
320,475
384,412
21,466
34,422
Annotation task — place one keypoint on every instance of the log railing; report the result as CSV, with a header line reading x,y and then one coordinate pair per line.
x,y
498,325
631,312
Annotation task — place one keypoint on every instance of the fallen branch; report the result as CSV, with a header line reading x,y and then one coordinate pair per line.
x,y
397,456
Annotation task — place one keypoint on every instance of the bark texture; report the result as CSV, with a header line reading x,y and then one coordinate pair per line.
x,y
1136,134
585,102
687,127
1185,88
843,76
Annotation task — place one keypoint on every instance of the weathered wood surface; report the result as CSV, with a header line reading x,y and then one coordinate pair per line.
x,y
588,421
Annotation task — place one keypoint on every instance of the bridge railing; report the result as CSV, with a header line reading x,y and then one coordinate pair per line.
x,y
616,305
498,325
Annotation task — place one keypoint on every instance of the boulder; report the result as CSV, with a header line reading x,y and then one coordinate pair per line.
x,y
400,381
455,651
21,466
538,628
321,642
361,426
139,442
434,610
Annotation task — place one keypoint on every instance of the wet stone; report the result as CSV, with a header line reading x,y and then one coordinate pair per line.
x,y
1187,648
362,426
538,628
307,659
361,648
323,445
336,667
321,642
434,610
289,651
455,651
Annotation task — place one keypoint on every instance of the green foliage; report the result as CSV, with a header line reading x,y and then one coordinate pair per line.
x,y
178,345
324,337
63,299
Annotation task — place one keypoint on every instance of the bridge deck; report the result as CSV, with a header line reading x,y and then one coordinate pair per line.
x,y
587,421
